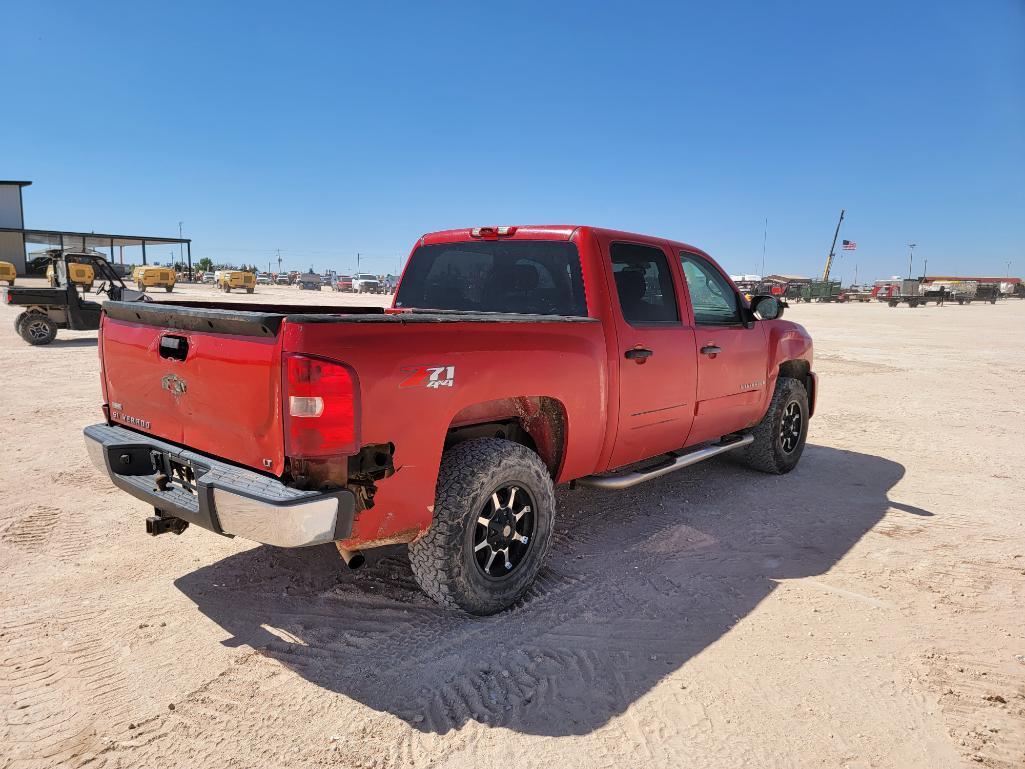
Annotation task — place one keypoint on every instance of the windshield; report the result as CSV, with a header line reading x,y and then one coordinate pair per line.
x,y
521,276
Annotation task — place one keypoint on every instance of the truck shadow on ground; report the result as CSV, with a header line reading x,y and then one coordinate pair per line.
x,y
639,582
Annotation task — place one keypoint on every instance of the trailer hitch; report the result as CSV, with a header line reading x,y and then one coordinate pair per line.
x,y
158,524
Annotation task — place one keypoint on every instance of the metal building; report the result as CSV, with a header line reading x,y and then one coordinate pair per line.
x,y
14,237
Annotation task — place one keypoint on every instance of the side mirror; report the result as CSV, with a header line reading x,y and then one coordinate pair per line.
x,y
767,307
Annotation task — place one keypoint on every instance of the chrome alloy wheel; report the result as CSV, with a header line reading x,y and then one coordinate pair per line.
x,y
503,533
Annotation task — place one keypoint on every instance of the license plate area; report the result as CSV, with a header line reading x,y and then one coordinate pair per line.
x,y
174,473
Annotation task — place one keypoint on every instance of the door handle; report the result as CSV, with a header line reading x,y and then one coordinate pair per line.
x,y
639,354
711,349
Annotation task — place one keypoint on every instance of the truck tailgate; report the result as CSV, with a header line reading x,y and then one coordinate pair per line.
x,y
218,393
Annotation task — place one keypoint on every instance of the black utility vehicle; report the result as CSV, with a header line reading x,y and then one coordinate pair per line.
x,y
44,310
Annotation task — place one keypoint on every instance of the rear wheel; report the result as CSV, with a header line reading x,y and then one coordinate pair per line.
x,y
169,289
493,518
780,436
249,290
37,329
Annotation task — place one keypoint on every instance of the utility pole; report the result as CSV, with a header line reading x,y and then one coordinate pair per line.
x,y
911,257
357,262
1007,272
832,248
925,268
279,261
181,255
765,236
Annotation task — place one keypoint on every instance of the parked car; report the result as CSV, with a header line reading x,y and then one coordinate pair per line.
x,y
366,427
365,283
281,280
344,283
263,279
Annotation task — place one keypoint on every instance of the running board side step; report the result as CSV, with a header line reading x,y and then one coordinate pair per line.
x,y
686,460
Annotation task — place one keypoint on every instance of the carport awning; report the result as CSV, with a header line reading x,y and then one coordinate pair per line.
x,y
94,240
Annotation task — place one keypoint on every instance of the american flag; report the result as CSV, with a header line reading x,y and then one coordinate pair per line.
x,y
849,245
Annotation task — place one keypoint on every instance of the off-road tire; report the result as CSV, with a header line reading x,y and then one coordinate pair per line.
x,y
443,560
37,328
767,453
250,290
169,289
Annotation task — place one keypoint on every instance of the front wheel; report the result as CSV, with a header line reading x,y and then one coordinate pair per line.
x,y
494,511
169,289
780,436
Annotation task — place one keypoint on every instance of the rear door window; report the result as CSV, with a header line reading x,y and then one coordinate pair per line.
x,y
644,284
526,276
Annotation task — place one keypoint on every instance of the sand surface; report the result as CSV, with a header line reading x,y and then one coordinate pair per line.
x,y
864,611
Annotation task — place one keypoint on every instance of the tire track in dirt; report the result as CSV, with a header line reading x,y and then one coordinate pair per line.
x,y
983,703
33,531
55,696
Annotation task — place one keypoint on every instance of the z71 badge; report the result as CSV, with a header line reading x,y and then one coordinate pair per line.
x,y
429,376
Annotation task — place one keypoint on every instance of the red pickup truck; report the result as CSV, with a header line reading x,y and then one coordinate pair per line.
x,y
513,358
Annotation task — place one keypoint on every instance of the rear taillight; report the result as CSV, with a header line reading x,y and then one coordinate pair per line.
x,y
321,408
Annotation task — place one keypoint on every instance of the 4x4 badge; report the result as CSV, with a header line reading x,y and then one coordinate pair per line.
x,y
174,384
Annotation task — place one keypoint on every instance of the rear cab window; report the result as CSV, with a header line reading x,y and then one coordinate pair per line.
x,y
525,277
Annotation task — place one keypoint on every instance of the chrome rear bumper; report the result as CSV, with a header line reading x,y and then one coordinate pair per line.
x,y
223,498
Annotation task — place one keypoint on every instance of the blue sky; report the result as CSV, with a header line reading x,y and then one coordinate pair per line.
x,y
327,129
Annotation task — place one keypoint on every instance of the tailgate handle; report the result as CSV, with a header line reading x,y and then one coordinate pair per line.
x,y
174,347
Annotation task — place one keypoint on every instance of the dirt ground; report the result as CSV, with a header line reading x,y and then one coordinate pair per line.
x,y
863,611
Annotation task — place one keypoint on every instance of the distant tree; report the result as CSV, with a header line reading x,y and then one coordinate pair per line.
x,y
205,264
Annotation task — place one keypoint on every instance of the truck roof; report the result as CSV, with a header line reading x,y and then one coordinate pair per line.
x,y
546,232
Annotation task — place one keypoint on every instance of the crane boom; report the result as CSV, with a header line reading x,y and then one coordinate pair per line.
x,y
832,248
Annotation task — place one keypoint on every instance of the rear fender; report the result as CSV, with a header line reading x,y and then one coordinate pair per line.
x,y
541,421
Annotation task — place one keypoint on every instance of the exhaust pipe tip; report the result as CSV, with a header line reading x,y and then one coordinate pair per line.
x,y
354,559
